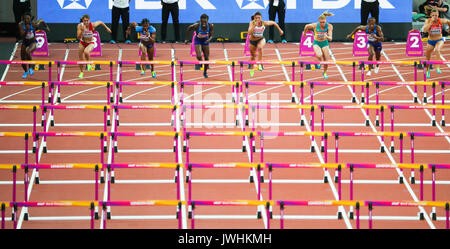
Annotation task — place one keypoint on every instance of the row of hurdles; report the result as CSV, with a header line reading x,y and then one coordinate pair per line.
x,y
283,205
304,65
189,168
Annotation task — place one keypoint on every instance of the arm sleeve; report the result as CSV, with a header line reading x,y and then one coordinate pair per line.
x,y
138,28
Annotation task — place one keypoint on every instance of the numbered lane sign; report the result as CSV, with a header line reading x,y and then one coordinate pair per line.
x,y
360,44
306,44
41,44
414,46
97,51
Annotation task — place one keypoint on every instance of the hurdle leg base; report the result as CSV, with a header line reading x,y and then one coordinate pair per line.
x,y
313,149
416,100
322,149
302,122
433,123
293,99
25,217
96,217
433,216
400,179
412,179
325,179
251,179
184,148
246,122
392,149
339,215
108,215
443,122
36,180
34,150
120,99
425,100
362,99
367,123
421,216
382,150
108,123
118,123
49,100
377,122
244,149
350,215
261,179
336,179
116,149
258,215
113,179
353,99
59,100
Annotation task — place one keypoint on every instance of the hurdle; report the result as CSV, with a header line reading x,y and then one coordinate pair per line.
x,y
13,168
96,63
58,84
271,63
235,91
324,203
25,107
122,63
306,65
4,205
40,65
101,135
239,203
121,84
273,83
28,83
191,166
105,109
25,135
145,203
207,63
183,118
371,204
91,166
324,166
244,134
431,63
413,136
90,204
115,135
176,166
118,107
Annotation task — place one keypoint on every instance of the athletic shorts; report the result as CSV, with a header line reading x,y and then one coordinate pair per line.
x,y
321,44
255,43
201,41
433,43
148,46
376,45
27,43
85,44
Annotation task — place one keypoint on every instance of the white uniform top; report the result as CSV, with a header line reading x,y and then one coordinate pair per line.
x,y
258,31
121,3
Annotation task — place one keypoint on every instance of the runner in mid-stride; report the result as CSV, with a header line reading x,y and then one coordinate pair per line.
x,y
433,26
323,34
147,37
204,31
85,34
375,36
257,41
27,28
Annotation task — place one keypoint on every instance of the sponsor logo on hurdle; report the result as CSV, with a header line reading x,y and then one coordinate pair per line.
x,y
74,4
135,203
